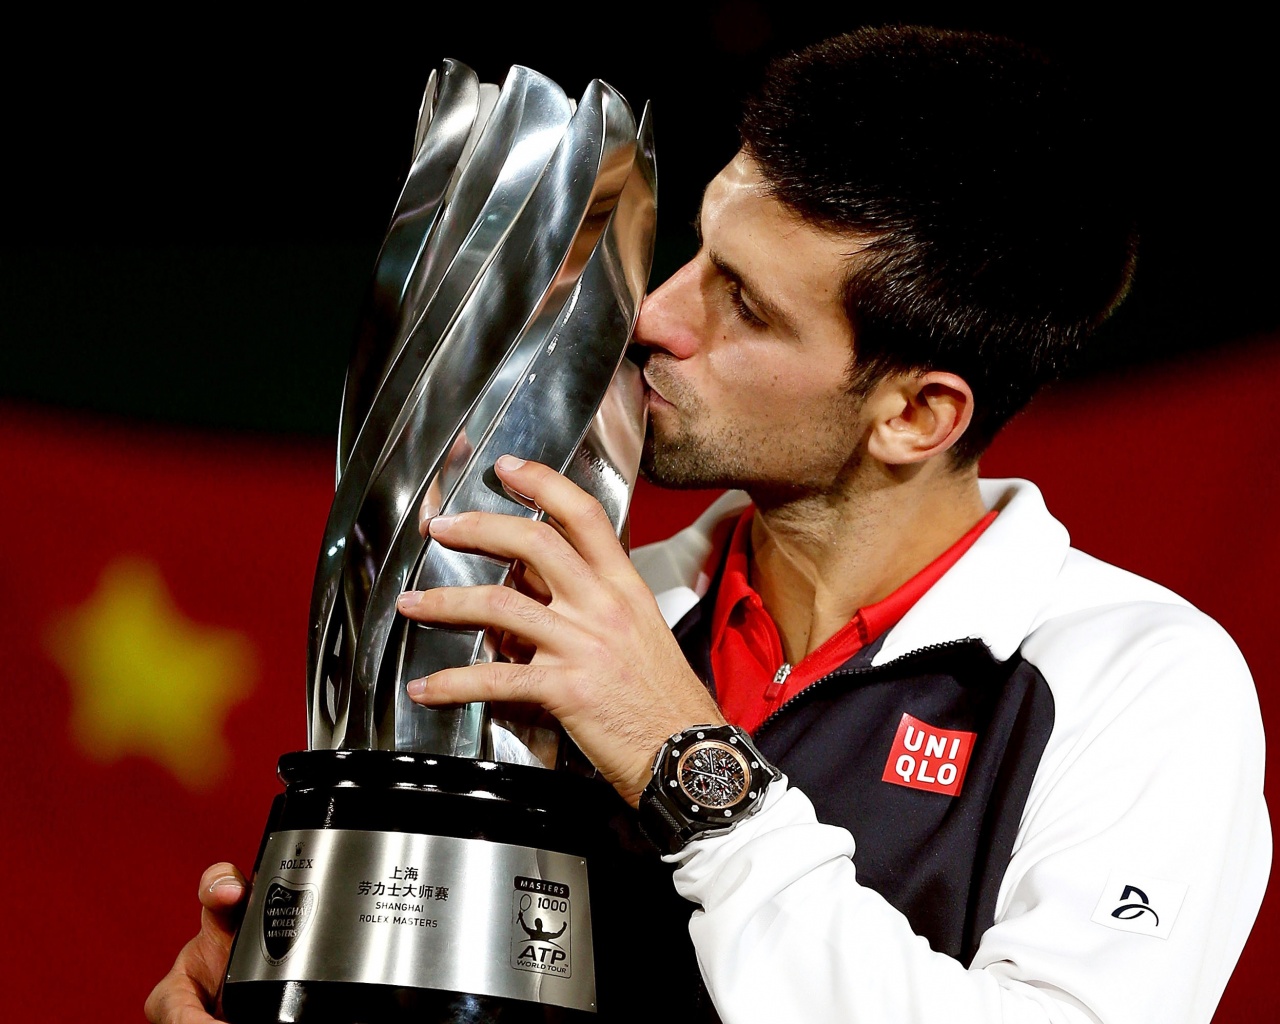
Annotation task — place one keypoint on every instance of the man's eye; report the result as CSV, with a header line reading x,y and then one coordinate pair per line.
x,y
740,309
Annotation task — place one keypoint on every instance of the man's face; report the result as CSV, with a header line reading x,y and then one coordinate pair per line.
x,y
749,349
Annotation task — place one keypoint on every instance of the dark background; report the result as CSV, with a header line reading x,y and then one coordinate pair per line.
x,y
192,206
194,202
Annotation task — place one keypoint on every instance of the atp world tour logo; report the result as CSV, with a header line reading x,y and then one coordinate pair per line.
x,y
286,912
540,932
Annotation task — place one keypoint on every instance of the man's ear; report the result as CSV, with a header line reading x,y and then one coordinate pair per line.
x,y
915,417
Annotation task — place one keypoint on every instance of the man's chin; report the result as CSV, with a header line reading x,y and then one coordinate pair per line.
x,y
676,468
682,469
649,476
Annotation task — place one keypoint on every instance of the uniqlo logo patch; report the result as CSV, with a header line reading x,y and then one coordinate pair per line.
x,y
926,757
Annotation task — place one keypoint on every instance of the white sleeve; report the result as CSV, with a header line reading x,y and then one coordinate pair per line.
x,y
1156,788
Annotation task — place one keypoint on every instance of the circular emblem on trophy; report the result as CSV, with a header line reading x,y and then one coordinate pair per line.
x,y
286,912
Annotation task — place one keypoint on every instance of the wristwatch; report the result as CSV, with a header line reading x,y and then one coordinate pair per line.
x,y
706,779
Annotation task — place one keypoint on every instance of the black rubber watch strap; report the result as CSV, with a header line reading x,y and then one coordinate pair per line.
x,y
670,817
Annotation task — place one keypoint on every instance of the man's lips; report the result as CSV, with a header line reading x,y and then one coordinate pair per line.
x,y
655,396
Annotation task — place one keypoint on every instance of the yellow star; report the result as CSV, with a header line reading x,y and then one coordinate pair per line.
x,y
146,680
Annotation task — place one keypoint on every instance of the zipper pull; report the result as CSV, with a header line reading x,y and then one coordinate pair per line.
x,y
774,688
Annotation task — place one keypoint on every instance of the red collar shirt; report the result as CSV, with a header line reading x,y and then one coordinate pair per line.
x,y
752,676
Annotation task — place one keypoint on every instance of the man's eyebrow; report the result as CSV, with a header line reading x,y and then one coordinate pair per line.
x,y
771,310
697,217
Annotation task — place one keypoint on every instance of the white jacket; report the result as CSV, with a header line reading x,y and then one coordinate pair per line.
x,y
1143,848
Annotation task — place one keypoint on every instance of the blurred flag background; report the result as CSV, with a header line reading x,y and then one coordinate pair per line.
x,y
190,230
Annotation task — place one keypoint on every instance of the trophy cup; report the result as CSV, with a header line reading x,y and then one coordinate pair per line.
x,y
439,864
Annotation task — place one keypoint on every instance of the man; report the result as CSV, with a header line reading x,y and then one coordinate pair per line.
x,y
986,743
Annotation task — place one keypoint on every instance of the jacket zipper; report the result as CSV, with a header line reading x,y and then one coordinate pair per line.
x,y
842,672
779,681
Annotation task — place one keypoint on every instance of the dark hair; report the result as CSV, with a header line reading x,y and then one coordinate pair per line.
x,y
993,189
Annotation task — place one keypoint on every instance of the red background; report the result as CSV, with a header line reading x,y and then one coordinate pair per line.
x,y
1168,472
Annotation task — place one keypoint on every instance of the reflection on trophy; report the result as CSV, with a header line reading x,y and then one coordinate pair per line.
x,y
422,863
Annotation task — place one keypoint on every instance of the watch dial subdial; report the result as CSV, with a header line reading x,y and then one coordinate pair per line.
x,y
713,774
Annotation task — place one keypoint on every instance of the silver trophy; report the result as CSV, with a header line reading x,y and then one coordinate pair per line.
x,y
424,863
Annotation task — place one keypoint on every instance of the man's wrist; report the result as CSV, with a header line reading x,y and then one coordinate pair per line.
x,y
705,780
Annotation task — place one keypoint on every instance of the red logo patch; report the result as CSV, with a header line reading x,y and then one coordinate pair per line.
x,y
926,757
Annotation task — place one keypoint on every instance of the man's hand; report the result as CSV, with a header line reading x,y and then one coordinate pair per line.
x,y
186,994
604,662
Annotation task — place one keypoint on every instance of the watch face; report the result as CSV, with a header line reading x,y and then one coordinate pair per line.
x,y
713,774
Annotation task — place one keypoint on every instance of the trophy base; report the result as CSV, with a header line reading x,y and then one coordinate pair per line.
x,y
347,1003
392,886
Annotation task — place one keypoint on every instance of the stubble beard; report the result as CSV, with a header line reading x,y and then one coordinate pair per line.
x,y
681,457
688,460
685,463
684,458
685,453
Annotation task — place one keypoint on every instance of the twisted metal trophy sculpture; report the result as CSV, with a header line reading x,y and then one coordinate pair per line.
x,y
421,863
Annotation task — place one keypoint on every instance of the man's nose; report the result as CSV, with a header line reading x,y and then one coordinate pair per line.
x,y
671,317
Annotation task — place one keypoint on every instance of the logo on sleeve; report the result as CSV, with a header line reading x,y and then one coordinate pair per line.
x,y
1140,903
926,757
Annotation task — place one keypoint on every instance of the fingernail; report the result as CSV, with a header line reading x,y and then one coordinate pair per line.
x,y
416,687
441,524
509,462
226,882
408,599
